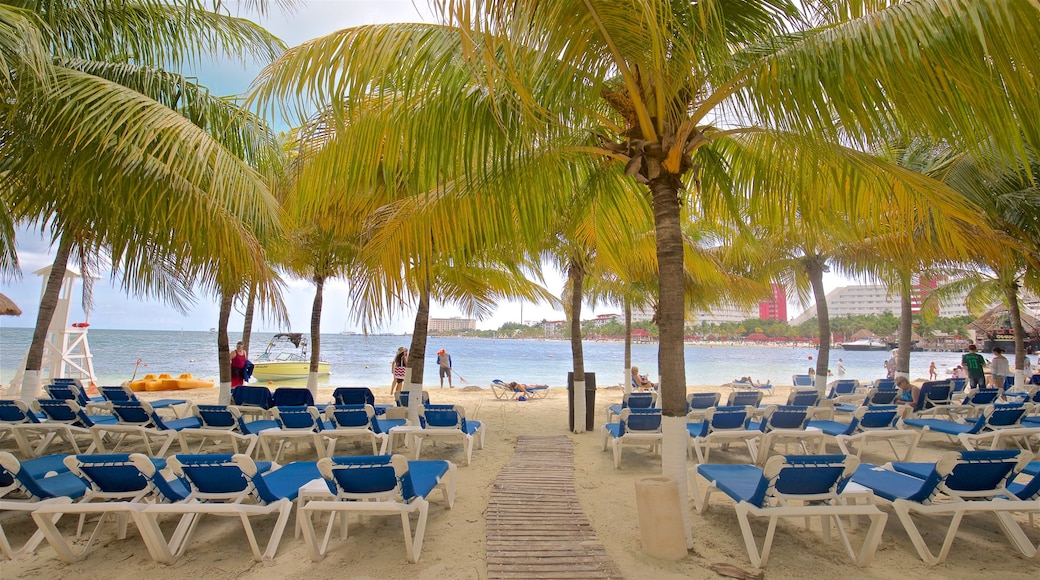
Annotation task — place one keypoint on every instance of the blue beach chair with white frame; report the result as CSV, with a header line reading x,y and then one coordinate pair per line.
x,y
448,422
224,485
220,424
869,423
999,417
793,486
377,485
118,485
634,427
722,426
350,422
27,485
960,483
634,400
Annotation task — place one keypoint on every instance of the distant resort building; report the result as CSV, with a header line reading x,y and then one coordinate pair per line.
x,y
876,299
776,307
446,325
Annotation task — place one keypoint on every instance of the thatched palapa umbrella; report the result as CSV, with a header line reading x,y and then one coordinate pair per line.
x,y
8,307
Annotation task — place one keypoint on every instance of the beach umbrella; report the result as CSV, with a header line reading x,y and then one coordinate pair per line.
x,y
758,336
8,307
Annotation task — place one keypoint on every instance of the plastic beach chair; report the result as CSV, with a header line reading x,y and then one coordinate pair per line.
x,y
870,423
722,426
448,422
784,424
358,396
122,394
230,486
633,400
377,485
139,420
350,422
27,485
66,421
634,427
994,423
793,486
222,423
14,414
117,485
959,484
295,423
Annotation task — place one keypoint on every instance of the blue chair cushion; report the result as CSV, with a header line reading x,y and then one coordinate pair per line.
x,y
739,482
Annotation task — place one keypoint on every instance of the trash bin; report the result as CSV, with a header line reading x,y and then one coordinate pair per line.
x,y
590,400
660,518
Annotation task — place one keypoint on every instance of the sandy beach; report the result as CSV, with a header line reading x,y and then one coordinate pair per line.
x,y
455,539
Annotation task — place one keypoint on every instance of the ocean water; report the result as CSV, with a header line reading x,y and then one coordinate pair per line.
x,y
358,360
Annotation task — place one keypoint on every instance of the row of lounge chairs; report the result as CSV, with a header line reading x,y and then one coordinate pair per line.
x,y
135,425
148,490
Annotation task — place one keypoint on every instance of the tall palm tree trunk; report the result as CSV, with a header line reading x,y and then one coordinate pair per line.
x,y
247,324
1015,313
671,322
626,381
576,280
906,321
227,300
416,354
31,380
814,268
312,375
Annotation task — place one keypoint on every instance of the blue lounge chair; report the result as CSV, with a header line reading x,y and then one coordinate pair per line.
x,y
295,423
401,398
722,426
252,400
744,398
958,484
868,423
13,415
66,421
350,422
72,390
794,486
358,396
448,422
633,400
874,397
634,427
803,398
139,420
222,424
957,385
751,386
933,398
502,390
117,485
802,381
784,424
999,417
230,486
123,394
842,389
697,403
294,397
27,485
377,485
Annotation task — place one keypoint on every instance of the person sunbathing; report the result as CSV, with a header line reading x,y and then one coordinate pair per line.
x,y
520,387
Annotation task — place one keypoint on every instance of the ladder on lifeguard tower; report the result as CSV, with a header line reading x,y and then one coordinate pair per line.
x,y
66,352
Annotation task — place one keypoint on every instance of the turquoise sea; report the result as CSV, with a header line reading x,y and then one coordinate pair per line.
x,y
358,360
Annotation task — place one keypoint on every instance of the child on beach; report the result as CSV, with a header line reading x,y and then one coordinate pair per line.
x,y
932,374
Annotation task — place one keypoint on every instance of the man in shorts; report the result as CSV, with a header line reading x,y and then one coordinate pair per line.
x,y
444,364
975,365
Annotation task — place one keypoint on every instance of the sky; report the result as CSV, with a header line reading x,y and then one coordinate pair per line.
x,y
112,308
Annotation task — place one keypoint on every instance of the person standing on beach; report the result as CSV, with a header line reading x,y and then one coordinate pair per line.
x,y
998,368
975,364
932,374
444,363
841,367
399,366
238,365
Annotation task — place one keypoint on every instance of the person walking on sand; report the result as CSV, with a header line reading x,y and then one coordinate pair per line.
x,y
998,368
932,374
444,363
399,366
975,364
841,367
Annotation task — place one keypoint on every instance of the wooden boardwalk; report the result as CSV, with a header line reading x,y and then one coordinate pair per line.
x,y
535,526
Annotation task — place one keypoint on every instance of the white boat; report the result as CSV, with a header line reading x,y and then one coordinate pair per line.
x,y
865,344
286,358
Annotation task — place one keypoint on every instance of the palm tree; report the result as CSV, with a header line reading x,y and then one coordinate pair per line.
x,y
703,95
113,142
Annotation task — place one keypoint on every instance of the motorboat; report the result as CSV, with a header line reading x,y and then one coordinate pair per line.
x,y
866,344
286,358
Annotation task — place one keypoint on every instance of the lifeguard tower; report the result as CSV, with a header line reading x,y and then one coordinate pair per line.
x,y
65,352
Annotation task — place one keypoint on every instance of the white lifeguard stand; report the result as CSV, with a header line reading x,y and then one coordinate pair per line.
x,y
66,352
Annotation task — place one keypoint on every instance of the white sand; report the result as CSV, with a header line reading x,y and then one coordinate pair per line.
x,y
454,545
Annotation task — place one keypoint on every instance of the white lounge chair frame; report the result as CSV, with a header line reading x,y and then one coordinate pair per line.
x,y
451,433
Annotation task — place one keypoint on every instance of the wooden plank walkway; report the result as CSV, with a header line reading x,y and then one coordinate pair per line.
x,y
535,526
